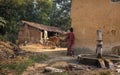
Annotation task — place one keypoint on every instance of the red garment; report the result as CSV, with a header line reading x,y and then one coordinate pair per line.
x,y
71,39
71,36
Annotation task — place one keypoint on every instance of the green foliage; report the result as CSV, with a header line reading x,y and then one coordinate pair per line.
x,y
1,37
46,12
15,10
2,26
60,16
22,65
18,67
38,57
2,22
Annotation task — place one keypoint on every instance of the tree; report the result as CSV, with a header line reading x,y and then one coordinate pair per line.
x,y
2,25
2,22
36,10
15,10
60,16
48,12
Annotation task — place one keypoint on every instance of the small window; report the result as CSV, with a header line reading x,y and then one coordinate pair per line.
x,y
115,0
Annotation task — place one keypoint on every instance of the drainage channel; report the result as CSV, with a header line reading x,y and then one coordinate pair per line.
x,y
106,63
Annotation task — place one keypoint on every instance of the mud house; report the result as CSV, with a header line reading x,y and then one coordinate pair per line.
x,y
36,33
90,15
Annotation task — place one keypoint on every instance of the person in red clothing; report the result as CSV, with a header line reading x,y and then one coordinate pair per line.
x,y
70,38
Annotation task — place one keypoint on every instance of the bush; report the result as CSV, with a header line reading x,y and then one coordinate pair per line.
x,y
1,37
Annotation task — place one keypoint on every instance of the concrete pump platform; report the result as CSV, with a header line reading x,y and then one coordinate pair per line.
x,y
107,61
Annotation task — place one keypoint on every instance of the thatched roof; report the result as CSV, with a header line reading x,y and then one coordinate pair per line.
x,y
43,27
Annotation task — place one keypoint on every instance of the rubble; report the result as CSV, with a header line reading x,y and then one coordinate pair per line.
x,y
72,66
118,70
117,65
8,50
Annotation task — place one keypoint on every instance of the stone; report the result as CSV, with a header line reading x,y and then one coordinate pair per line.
x,y
118,70
51,69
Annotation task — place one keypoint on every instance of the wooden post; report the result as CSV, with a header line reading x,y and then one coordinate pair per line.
x,y
45,36
41,37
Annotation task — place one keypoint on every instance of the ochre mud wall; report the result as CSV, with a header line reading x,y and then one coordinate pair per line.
x,y
89,15
29,34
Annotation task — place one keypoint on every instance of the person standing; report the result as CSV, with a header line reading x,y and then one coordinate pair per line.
x,y
70,38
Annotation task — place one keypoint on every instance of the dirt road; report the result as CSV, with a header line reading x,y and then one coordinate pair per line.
x,y
57,55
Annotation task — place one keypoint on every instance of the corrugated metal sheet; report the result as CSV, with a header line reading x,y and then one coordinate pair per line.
x,y
43,27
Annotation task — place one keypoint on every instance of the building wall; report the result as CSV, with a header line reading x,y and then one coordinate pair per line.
x,y
29,34
34,35
21,34
89,15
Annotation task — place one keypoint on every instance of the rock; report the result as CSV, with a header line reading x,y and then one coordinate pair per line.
x,y
51,69
118,66
118,70
61,64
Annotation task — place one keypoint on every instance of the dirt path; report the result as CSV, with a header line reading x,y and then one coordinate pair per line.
x,y
58,58
40,48
56,55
